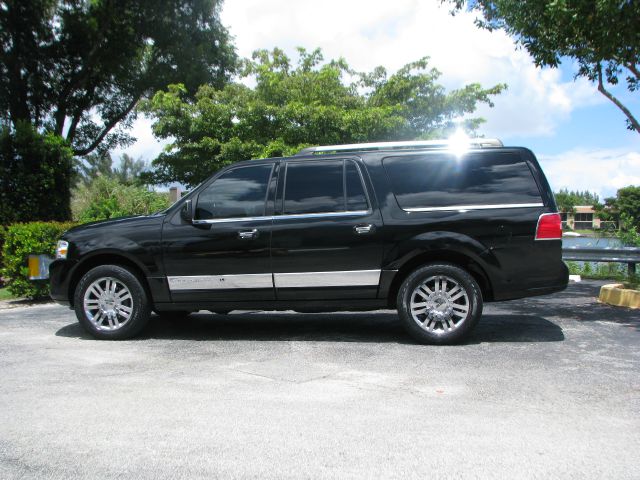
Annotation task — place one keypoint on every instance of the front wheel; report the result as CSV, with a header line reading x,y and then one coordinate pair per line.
x,y
439,303
111,303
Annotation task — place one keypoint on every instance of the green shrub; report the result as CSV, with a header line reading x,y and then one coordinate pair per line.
x,y
629,233
3,232
35,176
21,240
108,198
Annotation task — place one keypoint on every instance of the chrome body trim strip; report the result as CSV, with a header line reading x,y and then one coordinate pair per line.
x,y
221,282
473,207
228,220
354,213
352,278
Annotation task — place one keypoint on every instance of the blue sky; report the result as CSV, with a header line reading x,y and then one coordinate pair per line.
x,y
579,136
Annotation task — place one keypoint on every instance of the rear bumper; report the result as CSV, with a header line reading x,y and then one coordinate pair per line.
x,y
554,283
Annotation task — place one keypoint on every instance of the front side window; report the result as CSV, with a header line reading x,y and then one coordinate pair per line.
x,y
238,193
323,187
444,180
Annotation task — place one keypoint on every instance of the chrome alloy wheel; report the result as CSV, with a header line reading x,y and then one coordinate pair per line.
x,y
108,304
439,304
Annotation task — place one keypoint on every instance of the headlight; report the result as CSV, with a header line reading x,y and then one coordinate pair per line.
x,y
62,248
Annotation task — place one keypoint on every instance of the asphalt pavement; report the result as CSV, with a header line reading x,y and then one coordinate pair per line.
x,y
547,387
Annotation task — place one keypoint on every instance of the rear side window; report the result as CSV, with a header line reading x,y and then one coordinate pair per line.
x,y
444,180
238,193
323,187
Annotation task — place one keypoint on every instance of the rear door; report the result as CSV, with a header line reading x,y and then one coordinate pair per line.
x,y
326,240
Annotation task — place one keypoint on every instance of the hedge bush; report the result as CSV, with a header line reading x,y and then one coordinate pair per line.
x,y
3,232
106,198
21,240
35,176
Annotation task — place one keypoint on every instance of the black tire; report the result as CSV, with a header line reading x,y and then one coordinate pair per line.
x,y
137,306
440,327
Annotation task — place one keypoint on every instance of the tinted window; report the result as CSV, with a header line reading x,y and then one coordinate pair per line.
x,y
444,180
314,188
238,193
356,198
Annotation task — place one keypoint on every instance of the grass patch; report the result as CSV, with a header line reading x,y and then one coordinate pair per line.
x,y
5,294
605,271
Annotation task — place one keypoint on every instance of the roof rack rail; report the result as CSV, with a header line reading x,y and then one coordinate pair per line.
x,y
472,142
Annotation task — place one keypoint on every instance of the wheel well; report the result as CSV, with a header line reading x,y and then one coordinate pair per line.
x,y
474,269
106,259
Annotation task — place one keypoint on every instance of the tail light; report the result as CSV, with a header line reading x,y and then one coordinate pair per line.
x,y
549,227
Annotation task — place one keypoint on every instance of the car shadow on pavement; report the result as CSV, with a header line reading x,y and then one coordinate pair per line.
x,y
378,327
579,302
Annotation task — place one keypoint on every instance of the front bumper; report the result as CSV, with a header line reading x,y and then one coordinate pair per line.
x,y
60,275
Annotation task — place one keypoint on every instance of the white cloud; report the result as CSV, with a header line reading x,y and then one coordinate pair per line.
x,y
600,171
368,33
146,146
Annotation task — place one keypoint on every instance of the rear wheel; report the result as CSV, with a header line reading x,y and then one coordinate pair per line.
x,y
111,303
439,303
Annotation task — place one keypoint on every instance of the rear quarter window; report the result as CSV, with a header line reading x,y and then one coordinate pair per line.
x,y
445,180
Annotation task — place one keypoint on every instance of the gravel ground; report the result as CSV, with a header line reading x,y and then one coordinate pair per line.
x,y
547,387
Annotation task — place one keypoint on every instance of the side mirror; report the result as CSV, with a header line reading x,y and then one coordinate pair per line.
x,y
186,212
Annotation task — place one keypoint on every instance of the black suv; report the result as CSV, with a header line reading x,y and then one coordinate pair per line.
x,y
420,227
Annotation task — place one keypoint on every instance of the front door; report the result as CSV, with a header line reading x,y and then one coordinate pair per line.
x,y
223,255
326,240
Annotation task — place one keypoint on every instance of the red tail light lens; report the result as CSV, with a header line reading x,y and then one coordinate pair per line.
x,y
549,227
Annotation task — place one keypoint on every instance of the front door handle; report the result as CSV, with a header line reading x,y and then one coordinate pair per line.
x,y
364,229
248,234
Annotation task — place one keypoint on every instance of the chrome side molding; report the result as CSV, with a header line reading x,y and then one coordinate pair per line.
x,y
473,207
220,282
350,278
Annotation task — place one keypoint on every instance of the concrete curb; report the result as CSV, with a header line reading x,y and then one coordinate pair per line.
x,y
616,294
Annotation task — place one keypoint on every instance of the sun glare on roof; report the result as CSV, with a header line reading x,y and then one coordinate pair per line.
x,y
459,143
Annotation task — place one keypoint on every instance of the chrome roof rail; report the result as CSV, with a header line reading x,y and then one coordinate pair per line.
x,y
417,144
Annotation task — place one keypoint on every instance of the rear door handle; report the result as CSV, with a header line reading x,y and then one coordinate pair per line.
x,y
248,234
364,229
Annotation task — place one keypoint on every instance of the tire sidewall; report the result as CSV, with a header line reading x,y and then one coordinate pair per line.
x,y
419,276
139,315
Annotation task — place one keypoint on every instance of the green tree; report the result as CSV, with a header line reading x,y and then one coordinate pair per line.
x,y
567,200
35,175
623,209
293,106
107,198
628,202
78,68
600,36
100,164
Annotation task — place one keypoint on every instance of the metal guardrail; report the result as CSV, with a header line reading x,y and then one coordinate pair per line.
x,y
628,255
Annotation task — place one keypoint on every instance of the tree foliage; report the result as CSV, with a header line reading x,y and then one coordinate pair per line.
x,y
601,36
568,200
35,176
293,106
78,67
100,164
106,198
626,204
